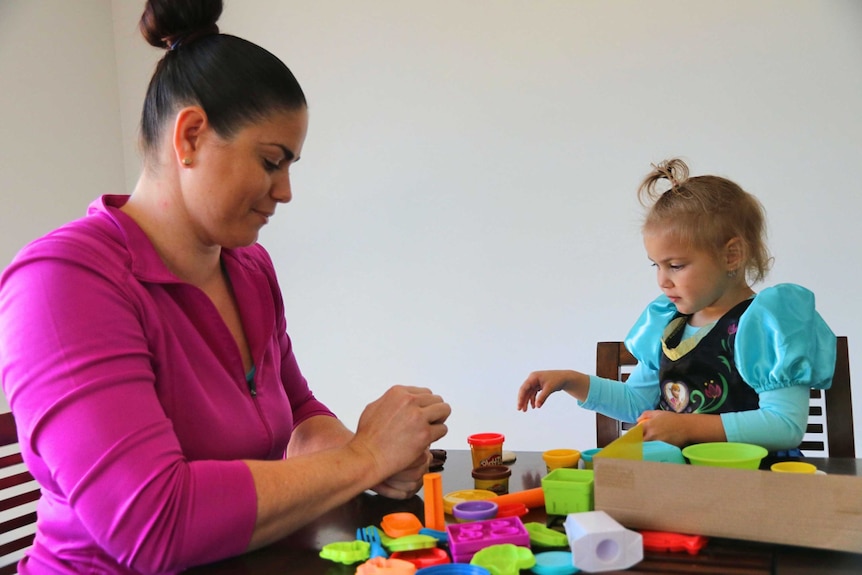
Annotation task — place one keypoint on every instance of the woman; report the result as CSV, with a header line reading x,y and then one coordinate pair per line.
x,y
144,350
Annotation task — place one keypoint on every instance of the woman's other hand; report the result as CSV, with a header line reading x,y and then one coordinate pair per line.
x,y
407,482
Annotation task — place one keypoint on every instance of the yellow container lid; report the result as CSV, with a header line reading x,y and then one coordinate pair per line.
x,y
793,467
455,497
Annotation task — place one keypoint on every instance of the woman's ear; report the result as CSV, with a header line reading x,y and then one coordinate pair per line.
x,y
734,254
190,123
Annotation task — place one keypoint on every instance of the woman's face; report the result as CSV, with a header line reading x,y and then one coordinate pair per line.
x,y
234,185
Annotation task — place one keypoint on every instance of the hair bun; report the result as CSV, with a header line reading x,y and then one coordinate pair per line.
x,y
674,171
169,23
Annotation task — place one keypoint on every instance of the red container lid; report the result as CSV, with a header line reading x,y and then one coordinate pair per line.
x,y
485,439
423,557
512,510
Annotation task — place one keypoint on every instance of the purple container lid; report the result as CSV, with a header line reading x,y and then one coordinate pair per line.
x,y
475,510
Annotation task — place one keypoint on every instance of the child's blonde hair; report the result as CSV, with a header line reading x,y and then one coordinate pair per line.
x,y
705,212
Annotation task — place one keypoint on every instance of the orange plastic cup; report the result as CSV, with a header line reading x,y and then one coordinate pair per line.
x,y
486,448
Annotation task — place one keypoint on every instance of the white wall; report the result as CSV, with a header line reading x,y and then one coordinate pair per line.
x,y
60,140
465,208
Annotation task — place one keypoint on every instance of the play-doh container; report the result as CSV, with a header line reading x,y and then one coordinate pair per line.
x,y
793,467
662,452
587,457
559,458
486,448
493,478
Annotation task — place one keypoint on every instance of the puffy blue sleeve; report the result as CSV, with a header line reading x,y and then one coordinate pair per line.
x,y
644,338
782,341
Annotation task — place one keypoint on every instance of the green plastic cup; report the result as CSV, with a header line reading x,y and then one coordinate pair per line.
x,y
725,454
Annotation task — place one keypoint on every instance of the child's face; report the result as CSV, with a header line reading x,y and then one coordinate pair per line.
x,y
694,280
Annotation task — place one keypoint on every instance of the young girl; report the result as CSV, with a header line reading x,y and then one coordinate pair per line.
x,y
716,361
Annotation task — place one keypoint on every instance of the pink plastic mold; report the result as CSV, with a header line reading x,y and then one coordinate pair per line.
x,y
465,539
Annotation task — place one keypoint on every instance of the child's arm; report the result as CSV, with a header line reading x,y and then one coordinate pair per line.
x,y
540,384
779,423
623,401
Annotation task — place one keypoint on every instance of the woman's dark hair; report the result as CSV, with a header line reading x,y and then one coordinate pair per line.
x,y
235,81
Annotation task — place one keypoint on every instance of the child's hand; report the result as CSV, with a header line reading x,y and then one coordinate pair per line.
x,y
681,429
664,426
540,384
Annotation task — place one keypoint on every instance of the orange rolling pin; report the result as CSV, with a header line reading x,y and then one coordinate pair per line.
x,y
531,498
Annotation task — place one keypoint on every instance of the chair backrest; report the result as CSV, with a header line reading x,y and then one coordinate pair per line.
x,y
613,361
18,495
830,420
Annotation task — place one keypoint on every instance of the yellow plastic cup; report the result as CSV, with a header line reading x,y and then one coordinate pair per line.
x,y
558,458
793,467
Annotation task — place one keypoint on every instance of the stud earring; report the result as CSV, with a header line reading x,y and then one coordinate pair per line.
x,y
731,274
187,161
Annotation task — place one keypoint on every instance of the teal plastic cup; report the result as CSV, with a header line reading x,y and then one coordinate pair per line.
x,y
587,457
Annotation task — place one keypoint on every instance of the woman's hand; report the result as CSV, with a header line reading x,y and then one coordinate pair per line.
x,y
540,384
396,432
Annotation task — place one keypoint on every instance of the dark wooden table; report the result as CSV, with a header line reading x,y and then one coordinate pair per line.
x,y
299,553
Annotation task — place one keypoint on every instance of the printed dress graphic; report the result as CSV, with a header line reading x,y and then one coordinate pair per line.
x,y
676,395
706,395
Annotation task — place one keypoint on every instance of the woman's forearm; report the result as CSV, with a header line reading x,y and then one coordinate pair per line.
x,y
292,492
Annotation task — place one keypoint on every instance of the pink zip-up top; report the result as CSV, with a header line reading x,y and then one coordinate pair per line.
x,y
132,405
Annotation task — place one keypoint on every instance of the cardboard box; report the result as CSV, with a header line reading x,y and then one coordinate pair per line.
x,y
822,511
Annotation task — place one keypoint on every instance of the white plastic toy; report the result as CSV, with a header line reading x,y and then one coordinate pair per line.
x,y
599,543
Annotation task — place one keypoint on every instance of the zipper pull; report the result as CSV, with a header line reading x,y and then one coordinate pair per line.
x,y
249,380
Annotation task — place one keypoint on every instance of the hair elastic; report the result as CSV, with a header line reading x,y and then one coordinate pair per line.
x,y
176,43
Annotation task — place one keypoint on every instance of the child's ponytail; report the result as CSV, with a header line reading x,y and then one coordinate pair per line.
x,y
675,171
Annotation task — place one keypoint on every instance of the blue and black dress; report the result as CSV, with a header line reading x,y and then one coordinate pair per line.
x,y
754,366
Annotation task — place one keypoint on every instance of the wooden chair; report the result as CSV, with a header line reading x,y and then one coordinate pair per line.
x,y
830,420
18,495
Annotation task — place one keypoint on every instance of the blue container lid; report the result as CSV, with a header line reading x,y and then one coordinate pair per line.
x,y
662,452
554,563
453,569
